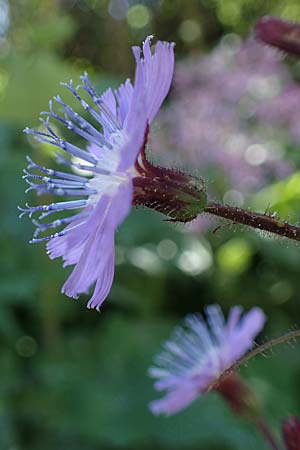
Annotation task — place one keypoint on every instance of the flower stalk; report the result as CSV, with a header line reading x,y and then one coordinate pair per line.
x,y
244,402
267,434
259,221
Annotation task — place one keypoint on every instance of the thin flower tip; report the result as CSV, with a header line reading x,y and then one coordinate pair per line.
x,y
258,318
69,293
65,84
282,34
26,210
93,306
23,211
156,410
146,52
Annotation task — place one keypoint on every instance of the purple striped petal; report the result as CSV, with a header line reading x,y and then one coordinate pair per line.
x,y
157,71
103,284
244,333
153,78
95,262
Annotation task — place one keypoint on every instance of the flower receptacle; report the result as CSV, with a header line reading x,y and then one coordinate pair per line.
x,y
178,195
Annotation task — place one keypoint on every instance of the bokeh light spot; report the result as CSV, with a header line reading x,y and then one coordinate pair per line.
x,y
256,154
229,13
231,40
138,16
281,291
195,259
233,197
235,256
291,11
119,255
189,30
167,249
118,9
145,259
26,346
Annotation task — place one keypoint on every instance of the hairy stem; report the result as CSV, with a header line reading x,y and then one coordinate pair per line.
x,y
259,221
259,350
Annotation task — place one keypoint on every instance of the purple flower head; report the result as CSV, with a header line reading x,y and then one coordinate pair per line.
x,y
198,354
279,33
100,201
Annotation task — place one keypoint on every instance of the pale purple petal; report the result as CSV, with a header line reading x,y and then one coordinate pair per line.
x,y
216,321
103,284
153,78
110,101
94,255
233,318
124,97
96,258
158,71
74,242
250,325
174,401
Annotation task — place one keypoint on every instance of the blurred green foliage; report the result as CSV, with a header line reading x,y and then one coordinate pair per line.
x,y
75,379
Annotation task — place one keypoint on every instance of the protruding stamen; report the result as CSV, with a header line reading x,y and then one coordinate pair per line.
x,y
112,122
61,160
60,206
85,129
98,117
57,189
56,173
55,182
40,227
58,234
64,145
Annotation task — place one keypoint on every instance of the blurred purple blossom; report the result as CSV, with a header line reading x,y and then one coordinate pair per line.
x,y
198,354
232,115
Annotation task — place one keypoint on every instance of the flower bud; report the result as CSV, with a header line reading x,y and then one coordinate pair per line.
x,y
291,433
279,33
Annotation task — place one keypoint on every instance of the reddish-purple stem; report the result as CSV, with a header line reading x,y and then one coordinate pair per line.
x,y
265,222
